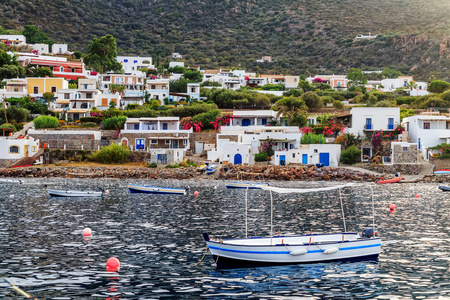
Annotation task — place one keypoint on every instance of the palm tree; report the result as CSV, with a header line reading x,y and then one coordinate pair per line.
x,y
117,88
411,86
290,107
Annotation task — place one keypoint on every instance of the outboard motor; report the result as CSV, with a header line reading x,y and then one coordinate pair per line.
x,y
368,233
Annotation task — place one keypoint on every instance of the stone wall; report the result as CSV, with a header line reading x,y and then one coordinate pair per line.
x,y
58,139
4,163
405,169
405,157
202,137
439,164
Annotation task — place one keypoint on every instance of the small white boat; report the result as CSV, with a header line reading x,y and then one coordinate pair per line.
x,y
211,169
148,189
284,250
202,167
73,193
19,181
243,185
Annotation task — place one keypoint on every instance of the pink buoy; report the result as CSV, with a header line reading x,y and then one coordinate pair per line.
x,y
417,195
87,232
196,193
392,206
112,265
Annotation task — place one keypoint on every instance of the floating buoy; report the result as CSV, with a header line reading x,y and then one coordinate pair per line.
x,y
87,232
106,192
11,196
392,206
196,193
411,189
417,196
112,265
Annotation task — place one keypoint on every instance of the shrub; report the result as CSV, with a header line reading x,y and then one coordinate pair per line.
x,y
312,100
8,126
338,104
153,165
351,155
385,103
262,156
434,102
438,86
312,138
114,123
45,122
112,154
91,119
327,100
446,96
89,124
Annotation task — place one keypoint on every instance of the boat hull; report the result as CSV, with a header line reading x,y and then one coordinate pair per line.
x,y
393,180
6,181
443,171
444,188
134,189
235,256
243,185
73,193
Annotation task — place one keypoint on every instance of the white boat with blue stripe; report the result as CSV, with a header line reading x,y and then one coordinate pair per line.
x,y
148,189
243,185
284,250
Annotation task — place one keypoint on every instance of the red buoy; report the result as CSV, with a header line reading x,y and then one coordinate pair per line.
x,y
417,196
392,206
112,265
196,193
87,232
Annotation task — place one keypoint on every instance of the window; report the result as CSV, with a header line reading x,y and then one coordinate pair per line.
x,y
426,125
33,148
167,142
66,96
368,123
35,90
53,89
16,89
391,123
125,60
185,142
405,149
153,87
61,69
164,126
136,126
135,61
84,105
73,70
88,95
85,86
264,121
14,149
154,142
295,80
192,90
315,151
293,155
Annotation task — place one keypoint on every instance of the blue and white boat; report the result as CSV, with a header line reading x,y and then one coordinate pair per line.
x,y
211,169
148,189
284,250
243,185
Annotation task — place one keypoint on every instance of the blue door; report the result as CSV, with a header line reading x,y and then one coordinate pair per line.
x,y
246,122
164,126
282,160
324,158
305,159
419,144
369,124
391,123
264,122
140,144
238,159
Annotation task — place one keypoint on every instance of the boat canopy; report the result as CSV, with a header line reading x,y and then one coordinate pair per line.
x,y
302,191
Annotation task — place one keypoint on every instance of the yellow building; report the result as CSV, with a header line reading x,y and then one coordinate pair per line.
x,y
37,86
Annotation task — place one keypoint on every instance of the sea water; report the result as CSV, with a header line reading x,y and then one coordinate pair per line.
x,y
158,240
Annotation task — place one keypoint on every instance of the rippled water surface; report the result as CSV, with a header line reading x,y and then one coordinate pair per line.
x,y
158,241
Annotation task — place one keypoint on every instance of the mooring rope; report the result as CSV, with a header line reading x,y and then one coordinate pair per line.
x,y
204,254
19,290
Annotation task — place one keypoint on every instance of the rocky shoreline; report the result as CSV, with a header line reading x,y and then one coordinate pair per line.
x,y
285,173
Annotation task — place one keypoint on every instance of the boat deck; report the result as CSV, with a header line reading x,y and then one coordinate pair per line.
x,y
294,240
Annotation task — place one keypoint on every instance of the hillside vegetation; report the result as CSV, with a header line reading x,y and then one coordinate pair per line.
x,y
302,36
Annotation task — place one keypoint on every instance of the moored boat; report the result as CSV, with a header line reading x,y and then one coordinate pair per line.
x,y
73,193
19,181
243,185
148,189
211,169
443,171
387,181
284,250
444,188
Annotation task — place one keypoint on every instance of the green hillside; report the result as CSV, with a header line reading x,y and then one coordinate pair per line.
x,y
302,36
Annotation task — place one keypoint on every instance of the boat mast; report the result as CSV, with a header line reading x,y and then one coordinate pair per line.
x,y
246,213
271,217
342,208
373,213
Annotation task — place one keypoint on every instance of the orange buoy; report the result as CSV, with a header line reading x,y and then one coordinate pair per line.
x,y
87,232
112,265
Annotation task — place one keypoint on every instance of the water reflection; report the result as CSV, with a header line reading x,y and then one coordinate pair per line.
x,y
158,241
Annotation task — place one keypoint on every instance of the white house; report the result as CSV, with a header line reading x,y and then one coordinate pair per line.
x,y
41,48
420,89
176,55
160,136
373,119
12,148
427,130
13,40
326,154
157,89
402,82
176,64
238,145
130,64
14,88
59,48
253,117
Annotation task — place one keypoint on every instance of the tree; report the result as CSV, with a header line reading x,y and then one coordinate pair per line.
x,y
35,36
338,104
193,76
178,86
356,77
48,96
312,100
112,104
438,86
293,109
305,86
78,54
390,73
32,71
101,55
9,66
117,88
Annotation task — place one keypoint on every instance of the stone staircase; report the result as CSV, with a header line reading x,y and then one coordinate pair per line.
x,y
26,161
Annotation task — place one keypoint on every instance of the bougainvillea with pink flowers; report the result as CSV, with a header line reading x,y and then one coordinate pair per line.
x,y
187,123
221,121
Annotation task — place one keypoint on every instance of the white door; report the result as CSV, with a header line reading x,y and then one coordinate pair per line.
x,y
199,147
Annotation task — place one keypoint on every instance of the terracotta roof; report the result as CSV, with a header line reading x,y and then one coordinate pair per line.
x,y
77,110
212,71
